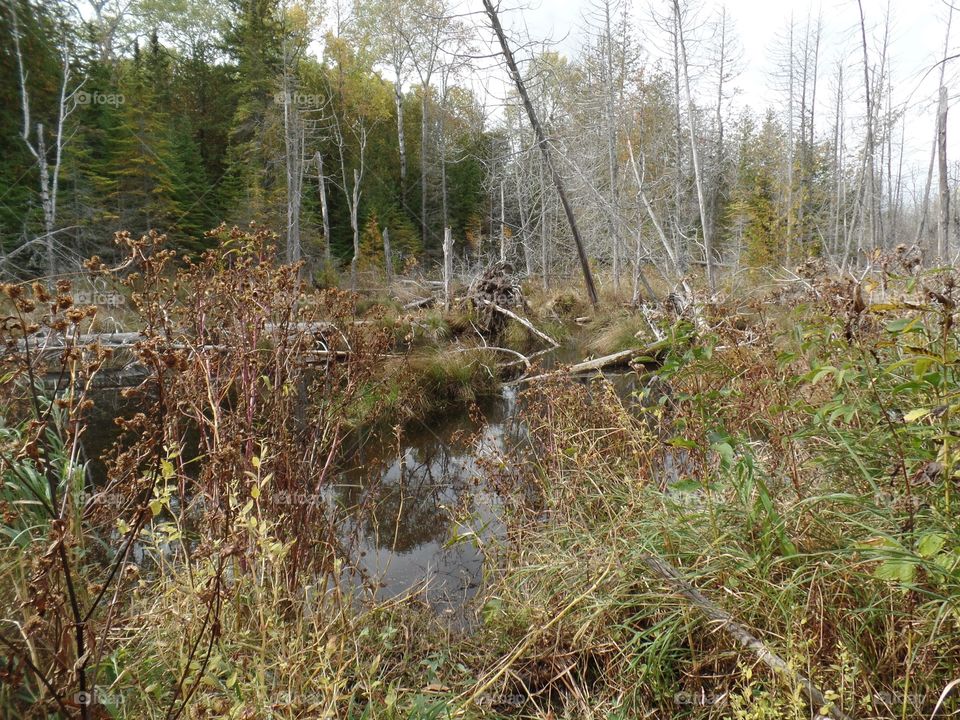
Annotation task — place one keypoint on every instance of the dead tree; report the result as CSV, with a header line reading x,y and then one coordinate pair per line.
x,y
695,152
943,224
447,267
936,137
324,208
544,148
870,150
387,257
294,146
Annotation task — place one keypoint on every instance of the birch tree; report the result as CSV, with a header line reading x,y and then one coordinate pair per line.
x,y
34,136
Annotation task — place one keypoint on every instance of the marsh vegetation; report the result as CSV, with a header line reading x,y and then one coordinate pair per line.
x,y
317,506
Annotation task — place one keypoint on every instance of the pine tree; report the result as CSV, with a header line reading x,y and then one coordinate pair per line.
x,y
254,40
143,179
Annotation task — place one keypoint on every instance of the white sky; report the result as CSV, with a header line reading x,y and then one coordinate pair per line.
x,y
917,29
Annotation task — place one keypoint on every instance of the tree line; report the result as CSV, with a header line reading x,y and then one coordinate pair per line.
x,y
361,132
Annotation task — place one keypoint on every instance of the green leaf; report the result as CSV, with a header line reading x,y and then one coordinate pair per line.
x,y
725,451
930,544
687,485
915,415
900,324
156,506
901,570
822,373
491,609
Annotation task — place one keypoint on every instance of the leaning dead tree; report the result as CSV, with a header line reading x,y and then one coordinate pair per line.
x,y
544,148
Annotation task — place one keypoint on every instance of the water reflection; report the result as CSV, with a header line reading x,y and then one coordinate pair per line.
x,y
410,506
412,502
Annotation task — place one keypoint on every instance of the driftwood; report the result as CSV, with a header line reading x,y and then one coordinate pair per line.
x,y
617,359
420,303
743,636
57,341
523,321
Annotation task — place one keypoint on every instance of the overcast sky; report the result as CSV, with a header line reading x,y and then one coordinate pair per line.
x,y
917,29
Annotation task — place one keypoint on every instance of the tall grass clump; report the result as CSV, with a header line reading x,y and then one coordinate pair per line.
x,y
804,480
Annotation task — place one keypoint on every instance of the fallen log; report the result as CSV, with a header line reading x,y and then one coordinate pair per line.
x,y
617,359
59,341
523,321
621,358
817,700
420,303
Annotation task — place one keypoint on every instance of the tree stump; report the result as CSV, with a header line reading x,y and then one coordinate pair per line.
x,y
495,286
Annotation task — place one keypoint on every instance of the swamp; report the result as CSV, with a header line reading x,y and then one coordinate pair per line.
x,y
404,360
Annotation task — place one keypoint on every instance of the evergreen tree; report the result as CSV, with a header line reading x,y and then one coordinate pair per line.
x,y
254,41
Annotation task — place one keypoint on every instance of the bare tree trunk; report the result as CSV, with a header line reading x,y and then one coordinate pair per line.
x,y
870,180
293,156
324,210
697,174
544,149
637,259
503,227
638,174
680,251
813,91
943,224
936,136
444,211
424,108
401,140
447,267
49,178
387,257
524,234
544,244
838,167
788,248
355,225
724,61
612,149
46,202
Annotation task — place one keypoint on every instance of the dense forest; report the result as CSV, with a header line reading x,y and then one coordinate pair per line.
x,y
331,124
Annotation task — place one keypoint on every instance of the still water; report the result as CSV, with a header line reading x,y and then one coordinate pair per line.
x,y
415,504
423,505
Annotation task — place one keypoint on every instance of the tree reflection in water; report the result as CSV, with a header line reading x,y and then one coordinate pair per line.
x,y
405,499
